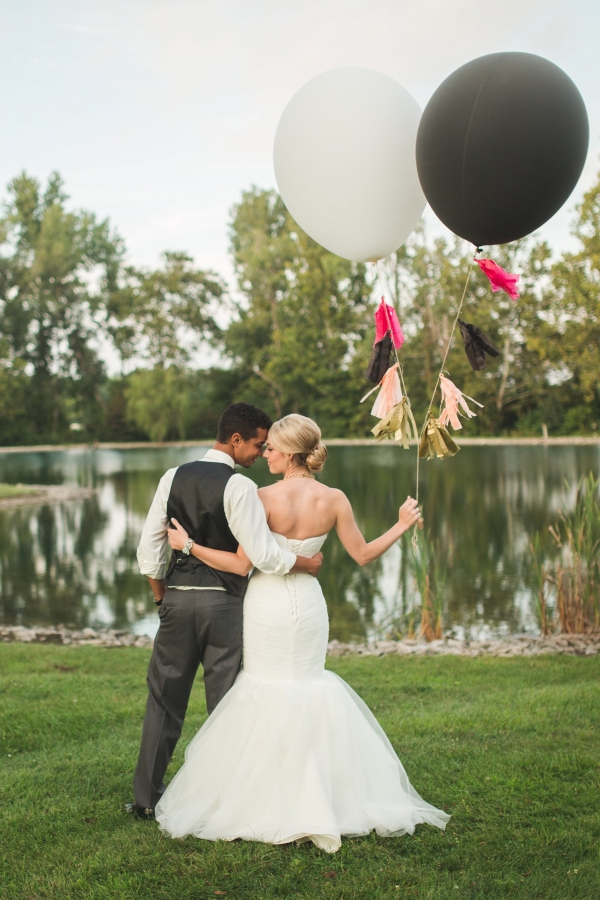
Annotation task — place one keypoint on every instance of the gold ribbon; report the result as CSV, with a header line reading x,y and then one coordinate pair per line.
x,y
398,425
436,441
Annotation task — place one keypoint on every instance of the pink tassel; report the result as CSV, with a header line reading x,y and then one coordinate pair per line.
x,y
454,398
499,278
387,320
389,395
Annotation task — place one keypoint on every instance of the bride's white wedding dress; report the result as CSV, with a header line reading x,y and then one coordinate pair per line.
x,y
291,752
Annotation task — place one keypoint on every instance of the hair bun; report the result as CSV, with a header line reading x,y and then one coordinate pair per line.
x,y
316,458
300,436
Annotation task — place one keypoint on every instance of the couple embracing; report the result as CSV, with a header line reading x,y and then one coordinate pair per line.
x,y
289,751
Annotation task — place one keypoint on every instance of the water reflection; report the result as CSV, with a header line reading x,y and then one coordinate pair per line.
x,y
75,563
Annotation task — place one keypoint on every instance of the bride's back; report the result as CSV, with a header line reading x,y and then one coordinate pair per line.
x,y
300,508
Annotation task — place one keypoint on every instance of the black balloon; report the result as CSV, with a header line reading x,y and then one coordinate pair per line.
x,y
501,145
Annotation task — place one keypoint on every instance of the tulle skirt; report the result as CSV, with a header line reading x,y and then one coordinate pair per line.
x,y
284,762
291,753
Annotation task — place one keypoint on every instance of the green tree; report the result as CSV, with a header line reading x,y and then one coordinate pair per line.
x,y
163,316
568,339
299,340
66,297
56,268
171,403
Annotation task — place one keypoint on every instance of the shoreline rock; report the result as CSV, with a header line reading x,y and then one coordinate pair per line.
x,y
515,645
84,637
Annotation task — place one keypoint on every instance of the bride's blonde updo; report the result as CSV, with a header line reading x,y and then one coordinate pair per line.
x,y
301,436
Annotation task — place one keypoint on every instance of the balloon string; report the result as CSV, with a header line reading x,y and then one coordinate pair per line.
x,y
414,540
400,371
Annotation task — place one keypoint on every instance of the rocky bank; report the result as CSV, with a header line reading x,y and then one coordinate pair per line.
x,y
517,645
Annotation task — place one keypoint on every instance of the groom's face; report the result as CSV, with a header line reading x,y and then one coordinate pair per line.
x,y
247,452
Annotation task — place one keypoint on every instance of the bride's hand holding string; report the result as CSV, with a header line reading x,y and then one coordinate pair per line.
x,y
409,514
351,537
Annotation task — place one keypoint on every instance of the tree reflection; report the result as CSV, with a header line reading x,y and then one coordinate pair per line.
x,y
76,563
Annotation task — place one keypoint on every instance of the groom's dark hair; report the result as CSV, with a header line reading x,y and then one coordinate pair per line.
x,y
244,419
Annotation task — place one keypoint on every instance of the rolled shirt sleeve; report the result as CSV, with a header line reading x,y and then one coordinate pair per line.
x,y
153,551
248,523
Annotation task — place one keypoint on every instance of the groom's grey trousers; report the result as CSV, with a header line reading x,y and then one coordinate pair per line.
x,y
195,627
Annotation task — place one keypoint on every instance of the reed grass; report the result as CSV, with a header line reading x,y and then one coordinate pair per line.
x,y
430,579
568,587
541,577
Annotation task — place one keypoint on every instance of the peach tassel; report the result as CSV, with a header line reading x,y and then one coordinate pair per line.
x,y
390,394
454,398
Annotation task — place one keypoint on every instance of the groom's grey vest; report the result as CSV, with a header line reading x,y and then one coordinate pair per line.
x,y
196,501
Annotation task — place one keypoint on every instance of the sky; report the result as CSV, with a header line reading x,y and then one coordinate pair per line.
x,y
159,113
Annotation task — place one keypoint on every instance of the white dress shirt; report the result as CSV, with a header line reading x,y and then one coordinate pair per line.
x,y
244,513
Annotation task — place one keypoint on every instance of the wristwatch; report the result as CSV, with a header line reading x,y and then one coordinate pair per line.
x,y
187,547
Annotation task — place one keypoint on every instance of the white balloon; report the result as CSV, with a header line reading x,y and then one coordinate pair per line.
x,y
345,164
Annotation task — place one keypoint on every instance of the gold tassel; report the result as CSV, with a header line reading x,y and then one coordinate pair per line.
x,y
436,441
398,425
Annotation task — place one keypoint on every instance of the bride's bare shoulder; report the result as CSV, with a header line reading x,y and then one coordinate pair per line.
x,y
334,495
338,495
267,491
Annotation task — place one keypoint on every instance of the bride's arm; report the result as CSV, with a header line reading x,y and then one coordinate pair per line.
x,y
236,563
352,539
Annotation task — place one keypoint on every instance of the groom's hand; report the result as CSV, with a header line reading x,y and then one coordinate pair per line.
x,y
158,588
310,565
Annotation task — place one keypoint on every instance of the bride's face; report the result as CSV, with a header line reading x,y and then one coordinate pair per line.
x,y
277,461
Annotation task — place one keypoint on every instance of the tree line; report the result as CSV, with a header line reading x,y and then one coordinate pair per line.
x,y
299,333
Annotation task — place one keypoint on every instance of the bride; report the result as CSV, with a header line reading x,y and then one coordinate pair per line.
x,y
292,753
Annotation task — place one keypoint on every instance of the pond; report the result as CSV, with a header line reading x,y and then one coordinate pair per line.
x,y
75,564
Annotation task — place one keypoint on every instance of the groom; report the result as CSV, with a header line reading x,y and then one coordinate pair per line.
x,y
200,608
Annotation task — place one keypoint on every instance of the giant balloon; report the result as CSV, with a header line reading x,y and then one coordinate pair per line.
x,y
501,145
345,162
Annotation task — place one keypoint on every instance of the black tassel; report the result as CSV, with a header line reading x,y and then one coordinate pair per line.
x,y
477,344
381,359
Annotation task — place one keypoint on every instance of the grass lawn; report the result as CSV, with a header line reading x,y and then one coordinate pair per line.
x,y
511,747
8,491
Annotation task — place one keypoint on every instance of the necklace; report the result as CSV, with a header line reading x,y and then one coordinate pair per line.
x,y
299,475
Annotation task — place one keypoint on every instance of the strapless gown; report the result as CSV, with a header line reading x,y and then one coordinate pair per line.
x,y
291,753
